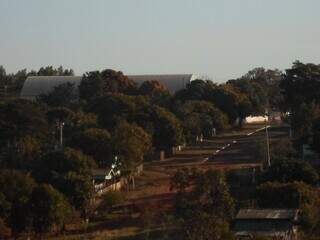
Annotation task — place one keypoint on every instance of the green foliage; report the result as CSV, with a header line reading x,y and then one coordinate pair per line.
x,y
255,92
22,154
153,88
203,226
259,151
302,120
293,195
285,195
112,108
78,188
165,128
61,96
20,118
96,84
70,172
282,150
96,143
301,85
130,143
16,189
203,204
290,171
49,208
111,199
61,162
226,97
200,117
157,92
168,131
51,71
262,88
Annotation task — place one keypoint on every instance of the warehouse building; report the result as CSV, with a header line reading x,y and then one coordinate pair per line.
x,y
36,85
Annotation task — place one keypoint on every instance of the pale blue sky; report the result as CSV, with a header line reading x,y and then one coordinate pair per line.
x,y
221,39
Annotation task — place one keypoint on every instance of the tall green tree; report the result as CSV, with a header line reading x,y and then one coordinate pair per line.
x,y
301,84
17,188
49,209
62,95
96,143
20,118
130,144
168,131
69,171
204,205
96,84
200,117
290,171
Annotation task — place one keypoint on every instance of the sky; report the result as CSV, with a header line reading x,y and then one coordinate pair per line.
x,y
216,39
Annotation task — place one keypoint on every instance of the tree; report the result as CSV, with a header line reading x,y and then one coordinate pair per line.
x,y
203,205
284,195
53,164
301,84
255,92
16,188
111,108
20,118
200,117
290,171
78,188
263,88
168,131
130,144
157,92
97,84
51,71
22,154
231,101
69,171
62,95
96,143
153,88
195,90
49,209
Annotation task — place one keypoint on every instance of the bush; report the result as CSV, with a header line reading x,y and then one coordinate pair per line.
x,y
111,199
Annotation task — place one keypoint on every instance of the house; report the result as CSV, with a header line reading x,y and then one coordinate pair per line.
x,y
36,85
279,223
103,178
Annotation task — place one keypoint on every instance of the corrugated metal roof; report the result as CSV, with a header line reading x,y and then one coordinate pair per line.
x,y
290,214
36,85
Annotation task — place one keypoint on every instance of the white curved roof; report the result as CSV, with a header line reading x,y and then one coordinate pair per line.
x,y
36,85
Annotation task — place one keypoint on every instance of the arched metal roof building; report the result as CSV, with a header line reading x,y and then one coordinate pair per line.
x,y
36,85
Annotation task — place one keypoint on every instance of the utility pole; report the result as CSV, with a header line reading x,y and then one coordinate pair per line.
x,y
61,124
267,140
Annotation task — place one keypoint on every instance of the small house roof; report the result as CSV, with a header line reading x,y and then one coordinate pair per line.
x,y
285,214
101,173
